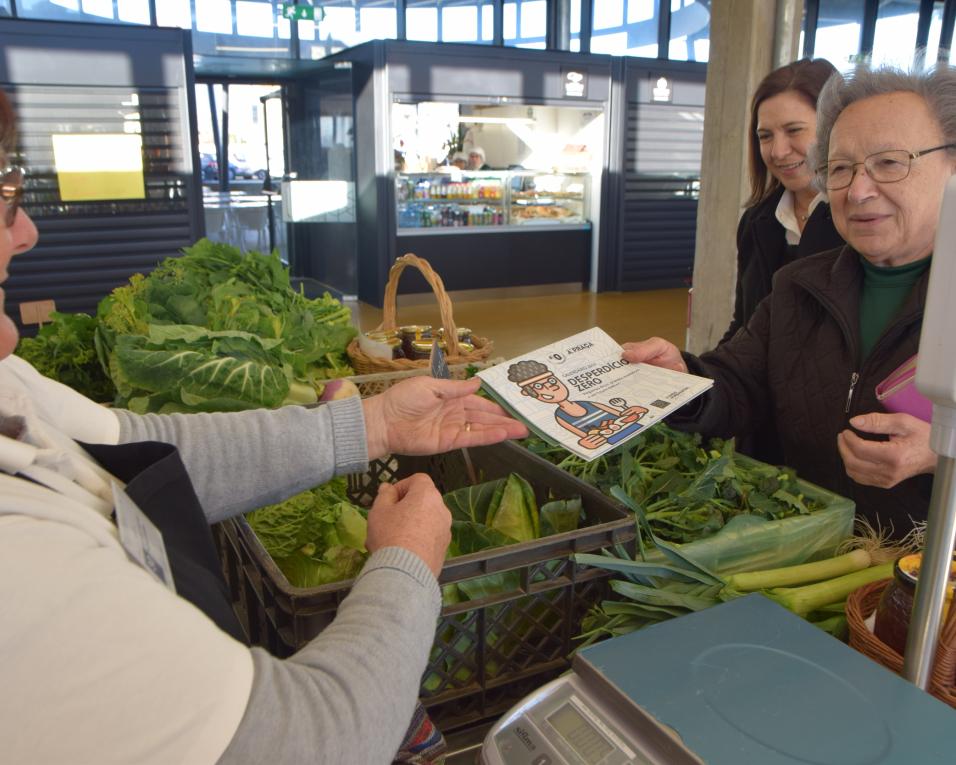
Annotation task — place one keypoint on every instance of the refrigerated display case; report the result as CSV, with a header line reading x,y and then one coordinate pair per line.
x,y
443,200
489,200
549,199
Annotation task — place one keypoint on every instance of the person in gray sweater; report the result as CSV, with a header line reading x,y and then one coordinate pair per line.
x,y
116,646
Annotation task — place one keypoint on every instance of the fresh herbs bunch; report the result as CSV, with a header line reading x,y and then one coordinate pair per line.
x,y
685,490
63,350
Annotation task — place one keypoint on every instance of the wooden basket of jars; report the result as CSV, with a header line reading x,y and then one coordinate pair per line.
x,y
395,348
878,619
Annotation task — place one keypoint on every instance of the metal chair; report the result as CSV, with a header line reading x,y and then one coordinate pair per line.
x,y
251,219
216,225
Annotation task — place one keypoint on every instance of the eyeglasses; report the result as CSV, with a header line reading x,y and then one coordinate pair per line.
x,y
883,167
532,388
11,190
539,385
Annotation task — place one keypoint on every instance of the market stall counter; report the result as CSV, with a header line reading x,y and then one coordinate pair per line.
x,y
534,227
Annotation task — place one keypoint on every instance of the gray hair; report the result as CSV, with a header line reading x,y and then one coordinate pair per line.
x,y
937,87
525,370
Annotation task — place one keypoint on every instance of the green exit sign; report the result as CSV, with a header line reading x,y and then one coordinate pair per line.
x,y
295,12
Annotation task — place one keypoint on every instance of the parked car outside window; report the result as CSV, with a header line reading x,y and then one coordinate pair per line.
x,y
246,167
210,168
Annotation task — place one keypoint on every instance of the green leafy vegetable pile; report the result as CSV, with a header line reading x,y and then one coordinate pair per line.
x,y
64,350
686,491
217,330
316,537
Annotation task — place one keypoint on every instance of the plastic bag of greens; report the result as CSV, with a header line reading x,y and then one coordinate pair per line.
x,y
752,543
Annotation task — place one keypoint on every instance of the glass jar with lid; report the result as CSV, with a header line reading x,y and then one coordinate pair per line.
x,y
896,603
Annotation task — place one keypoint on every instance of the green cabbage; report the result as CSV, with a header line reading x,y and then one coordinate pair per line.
x,y
218,330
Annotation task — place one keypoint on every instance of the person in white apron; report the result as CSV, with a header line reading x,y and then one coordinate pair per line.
x,y
118,642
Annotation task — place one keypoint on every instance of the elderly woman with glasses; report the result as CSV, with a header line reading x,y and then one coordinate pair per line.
x,y
839,322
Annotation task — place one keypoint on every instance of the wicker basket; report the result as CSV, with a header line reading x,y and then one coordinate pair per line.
x,y
862,604
365,364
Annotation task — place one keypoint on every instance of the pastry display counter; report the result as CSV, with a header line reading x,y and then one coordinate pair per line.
x,y
445,202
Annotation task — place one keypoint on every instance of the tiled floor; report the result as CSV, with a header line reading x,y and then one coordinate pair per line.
x,y
520,324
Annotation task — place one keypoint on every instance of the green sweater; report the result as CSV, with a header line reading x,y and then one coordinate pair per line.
x,y
884,290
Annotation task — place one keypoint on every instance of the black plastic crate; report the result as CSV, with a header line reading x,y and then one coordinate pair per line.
x,y
488,653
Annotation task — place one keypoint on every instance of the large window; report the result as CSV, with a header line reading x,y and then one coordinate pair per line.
x,y
690,31
259,29
246,107
894,40
935,28
839,27
251,28
469,21
526,23
235,165
576,25
626,27
346,23
106,11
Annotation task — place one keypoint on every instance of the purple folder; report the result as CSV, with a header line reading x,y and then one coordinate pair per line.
x,y
898,393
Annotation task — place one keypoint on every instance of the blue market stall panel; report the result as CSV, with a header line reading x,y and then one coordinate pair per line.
x,y
661,182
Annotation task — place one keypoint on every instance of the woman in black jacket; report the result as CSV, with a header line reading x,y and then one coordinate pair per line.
x,y
785,217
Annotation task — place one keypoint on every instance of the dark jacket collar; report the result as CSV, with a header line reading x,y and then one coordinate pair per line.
x,y
835,279
766,208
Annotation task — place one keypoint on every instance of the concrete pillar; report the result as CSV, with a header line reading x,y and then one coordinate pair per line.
x,y
744,35
786,37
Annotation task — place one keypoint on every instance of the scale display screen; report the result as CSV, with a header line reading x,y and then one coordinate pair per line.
x,y
580,734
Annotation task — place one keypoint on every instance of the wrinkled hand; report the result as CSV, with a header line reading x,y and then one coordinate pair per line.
x,y
411,514
593,441
886,463
656,351
423,415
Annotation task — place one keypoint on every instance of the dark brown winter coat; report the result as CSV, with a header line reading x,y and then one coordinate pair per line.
x,y
797,363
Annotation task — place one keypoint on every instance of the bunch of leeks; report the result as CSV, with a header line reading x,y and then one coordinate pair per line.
x,y
652,591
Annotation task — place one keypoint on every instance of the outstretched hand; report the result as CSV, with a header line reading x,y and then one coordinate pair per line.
x,y
655,351
423,415
886,463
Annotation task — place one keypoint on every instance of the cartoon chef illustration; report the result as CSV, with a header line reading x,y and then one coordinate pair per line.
x,y
595,424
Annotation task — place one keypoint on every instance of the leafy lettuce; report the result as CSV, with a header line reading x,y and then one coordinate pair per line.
x,y
316,537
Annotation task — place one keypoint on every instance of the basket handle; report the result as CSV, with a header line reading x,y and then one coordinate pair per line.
x,y
434,281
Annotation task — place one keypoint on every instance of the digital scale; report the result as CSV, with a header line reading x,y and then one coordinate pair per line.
x,y
743,683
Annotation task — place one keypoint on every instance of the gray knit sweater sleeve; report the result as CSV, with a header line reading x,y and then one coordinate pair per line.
x,y
239,461
348,696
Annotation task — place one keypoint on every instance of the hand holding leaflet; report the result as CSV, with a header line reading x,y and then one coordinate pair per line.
x,y
581,394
